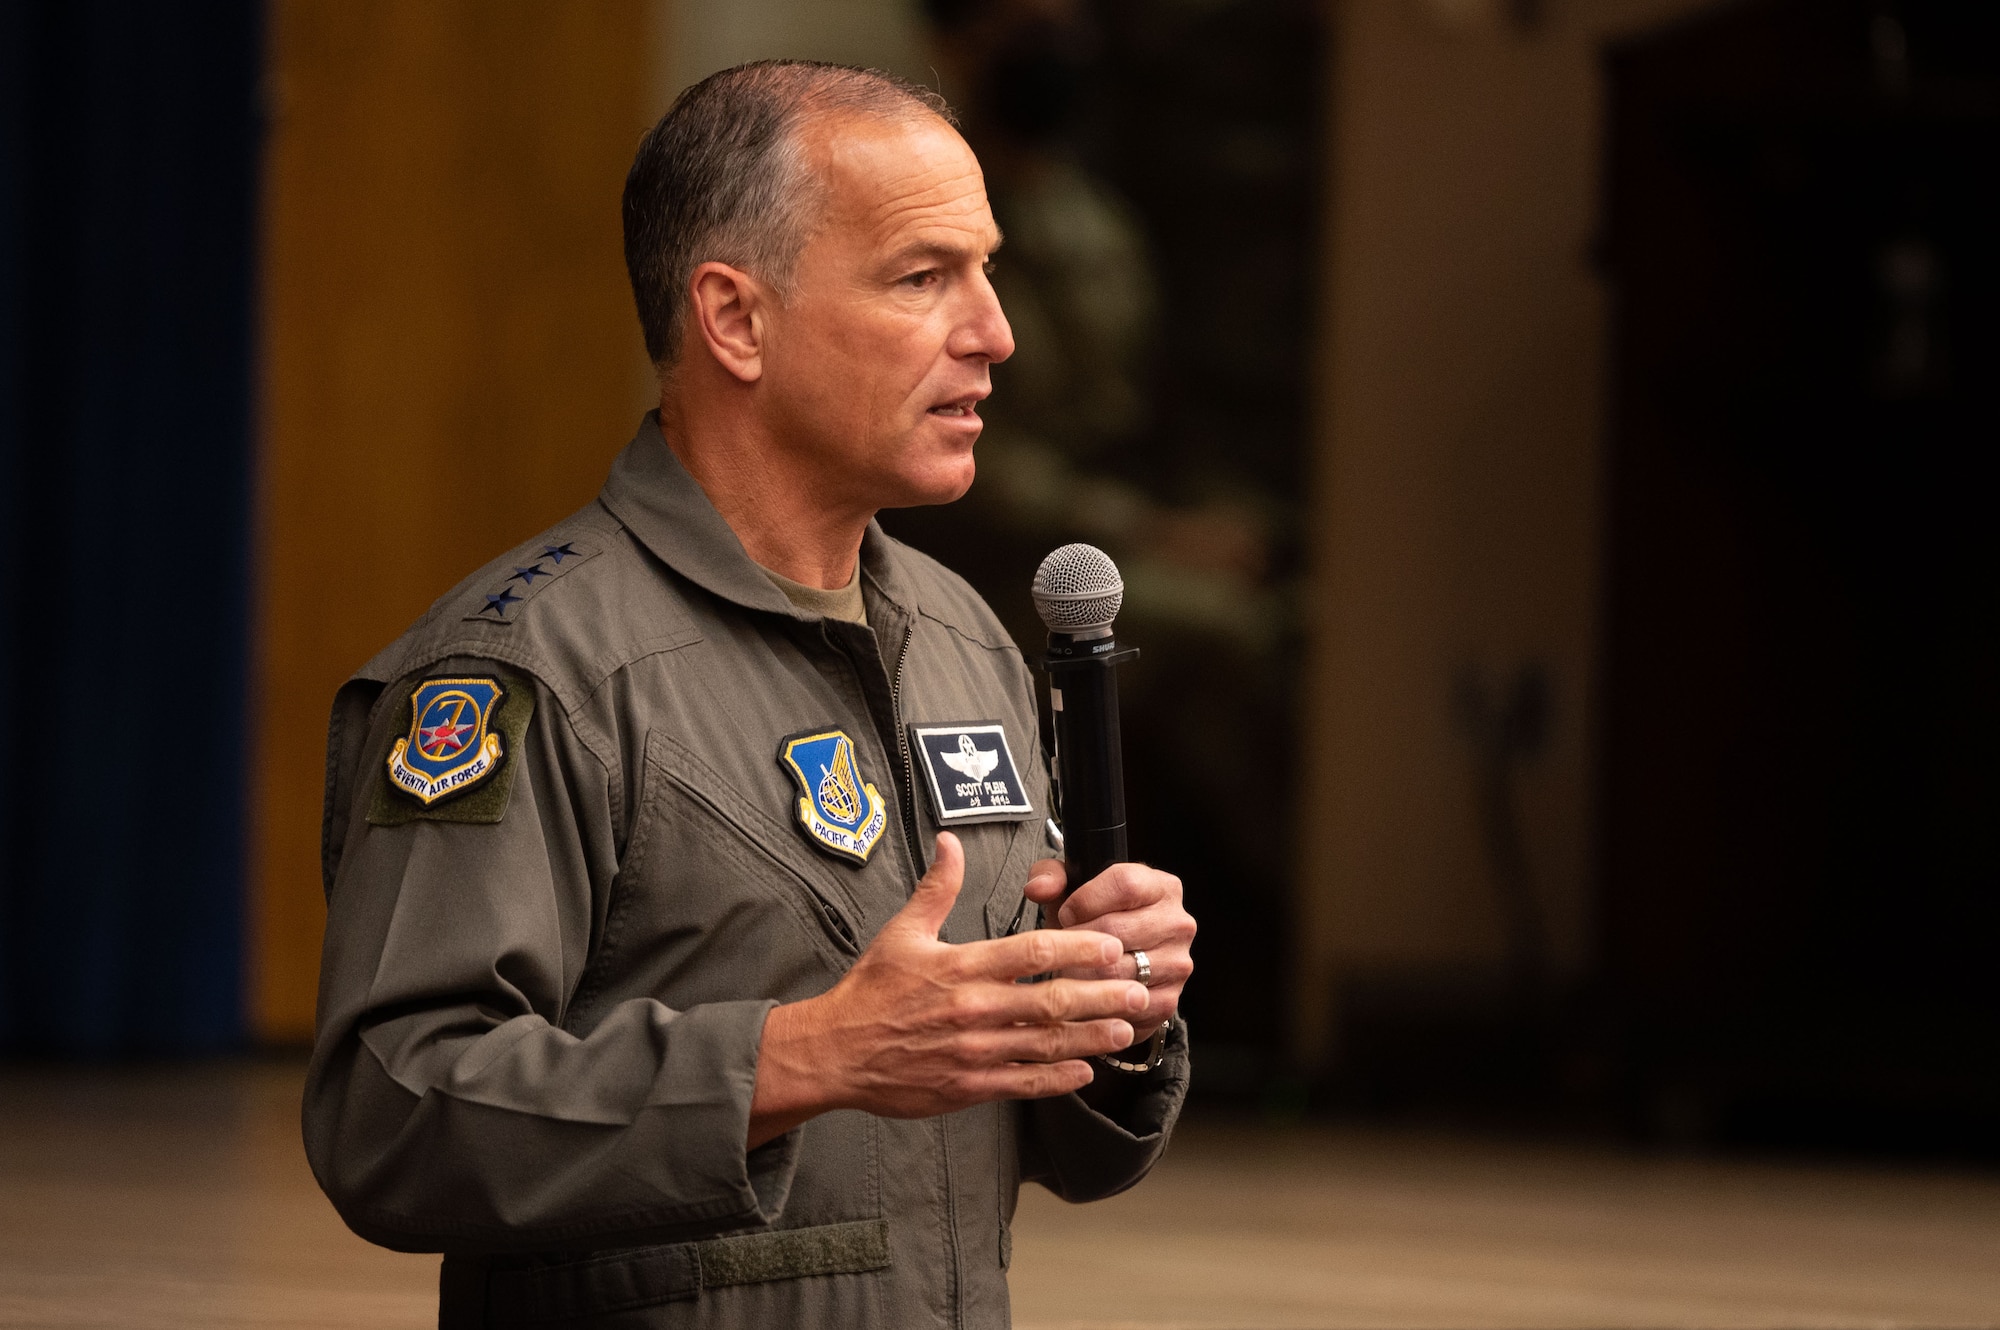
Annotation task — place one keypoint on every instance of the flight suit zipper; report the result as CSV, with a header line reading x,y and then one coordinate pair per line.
x,y
882,699
903,749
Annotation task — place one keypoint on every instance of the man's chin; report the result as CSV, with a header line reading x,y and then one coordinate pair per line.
x,y
945,485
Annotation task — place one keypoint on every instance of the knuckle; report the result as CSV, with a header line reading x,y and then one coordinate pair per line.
x,y
1083,952
1040,951
965,1007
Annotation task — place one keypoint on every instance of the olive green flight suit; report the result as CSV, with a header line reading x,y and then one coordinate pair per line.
x,y
541,1000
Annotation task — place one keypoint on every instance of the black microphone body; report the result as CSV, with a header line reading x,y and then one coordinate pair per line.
x,y
1078,593
1090,760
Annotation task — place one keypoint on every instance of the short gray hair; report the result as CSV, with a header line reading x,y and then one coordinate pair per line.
x,y
723,178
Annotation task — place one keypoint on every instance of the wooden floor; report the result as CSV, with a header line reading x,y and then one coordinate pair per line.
x,y
178,1198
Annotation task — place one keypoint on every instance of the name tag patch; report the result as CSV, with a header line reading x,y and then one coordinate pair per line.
x,y
970,772
452,745
839,812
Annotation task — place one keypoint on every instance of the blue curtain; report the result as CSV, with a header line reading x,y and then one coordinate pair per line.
x,y
129,146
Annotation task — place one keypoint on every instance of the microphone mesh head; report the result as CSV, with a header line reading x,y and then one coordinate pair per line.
x,y
1078,588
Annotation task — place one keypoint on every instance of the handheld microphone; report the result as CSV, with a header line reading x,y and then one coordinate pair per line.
x,y
1077,592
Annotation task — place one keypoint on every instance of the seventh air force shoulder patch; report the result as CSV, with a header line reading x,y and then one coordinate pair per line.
x,y
453,743
970,772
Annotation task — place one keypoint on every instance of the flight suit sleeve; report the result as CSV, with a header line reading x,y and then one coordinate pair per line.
x,y
447,1107
1085,1153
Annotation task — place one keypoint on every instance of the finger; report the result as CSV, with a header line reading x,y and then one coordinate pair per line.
x,y
1166,1002
1119,887
930,903
1156,928
1004,1004
1026,1080
1172,969
1049,1043
1046,880
1172,966
1038,951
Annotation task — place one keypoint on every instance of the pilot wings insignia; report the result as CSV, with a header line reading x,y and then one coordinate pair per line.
x,y
969,761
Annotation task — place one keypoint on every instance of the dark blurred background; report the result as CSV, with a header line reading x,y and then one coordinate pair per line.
x,y
1798,856
1155,172
1539,437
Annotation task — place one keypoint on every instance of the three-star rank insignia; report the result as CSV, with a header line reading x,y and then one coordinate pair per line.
x,y
838,811
453,744
971,772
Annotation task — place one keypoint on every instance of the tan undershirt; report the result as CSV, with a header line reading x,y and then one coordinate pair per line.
x,y
845,604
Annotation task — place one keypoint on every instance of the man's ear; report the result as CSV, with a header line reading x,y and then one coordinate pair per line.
x,y
728,305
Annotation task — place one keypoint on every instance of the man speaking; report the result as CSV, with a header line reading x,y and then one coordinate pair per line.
x,y
654,992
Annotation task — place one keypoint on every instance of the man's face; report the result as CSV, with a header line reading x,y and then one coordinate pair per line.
x,y
873,370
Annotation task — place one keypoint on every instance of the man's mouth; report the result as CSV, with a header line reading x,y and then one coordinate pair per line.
x,y
959,407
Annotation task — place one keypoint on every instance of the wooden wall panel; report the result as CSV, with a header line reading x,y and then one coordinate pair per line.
x,y
451,359
1455,509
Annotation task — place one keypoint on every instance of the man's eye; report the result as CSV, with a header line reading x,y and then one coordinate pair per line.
x,y
989,267
921,279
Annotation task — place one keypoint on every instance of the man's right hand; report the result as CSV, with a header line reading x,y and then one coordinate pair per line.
x,y
920,1027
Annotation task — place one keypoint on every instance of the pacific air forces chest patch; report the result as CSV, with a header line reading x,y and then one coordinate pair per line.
x,y
453,744
970,772
839,812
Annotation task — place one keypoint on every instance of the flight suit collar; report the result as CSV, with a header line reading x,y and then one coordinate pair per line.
x,y
665,507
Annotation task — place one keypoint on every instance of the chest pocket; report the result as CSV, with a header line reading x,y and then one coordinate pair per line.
x,y
718,899
714,901
1007,850
1002,840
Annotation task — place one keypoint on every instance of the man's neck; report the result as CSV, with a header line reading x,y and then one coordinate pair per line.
x,y
780,514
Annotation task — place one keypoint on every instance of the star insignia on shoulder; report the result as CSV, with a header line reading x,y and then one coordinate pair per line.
x,y
556,560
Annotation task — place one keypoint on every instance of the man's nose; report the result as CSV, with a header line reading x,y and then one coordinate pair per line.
x,y
983,332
